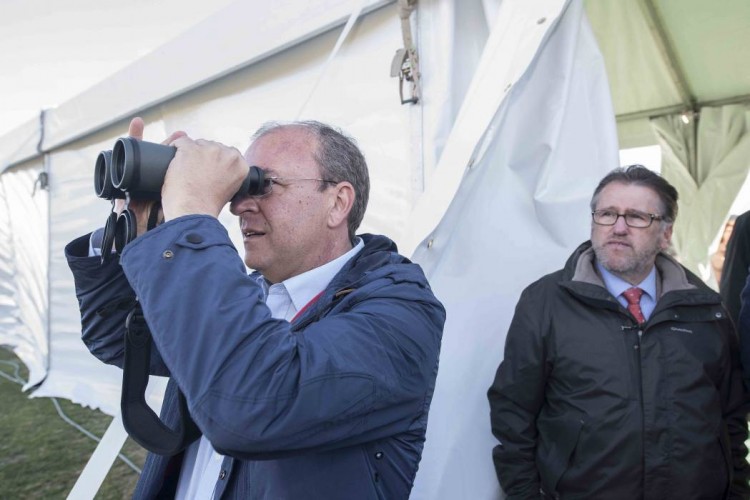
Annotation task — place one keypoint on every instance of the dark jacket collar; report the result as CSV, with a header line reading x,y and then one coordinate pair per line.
x,y
580,276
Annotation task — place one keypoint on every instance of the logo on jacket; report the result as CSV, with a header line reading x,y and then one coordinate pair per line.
x,y
683,330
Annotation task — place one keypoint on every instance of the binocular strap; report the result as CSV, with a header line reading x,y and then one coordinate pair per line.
x,y
140,421
153,216
108,238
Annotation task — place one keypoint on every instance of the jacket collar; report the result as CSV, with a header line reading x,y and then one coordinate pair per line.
x,y
672,275
580,277
378,258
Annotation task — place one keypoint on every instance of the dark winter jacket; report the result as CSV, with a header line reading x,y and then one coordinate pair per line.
x,y
587,404
332,406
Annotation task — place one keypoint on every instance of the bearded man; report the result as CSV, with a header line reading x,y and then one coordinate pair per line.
x,y
621,377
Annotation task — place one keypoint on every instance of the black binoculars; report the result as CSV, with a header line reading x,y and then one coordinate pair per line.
x,y
135,170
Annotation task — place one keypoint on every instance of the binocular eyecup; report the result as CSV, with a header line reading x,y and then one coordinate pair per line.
x,y
125,230
135,170
103,178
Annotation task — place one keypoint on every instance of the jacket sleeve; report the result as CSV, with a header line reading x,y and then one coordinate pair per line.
x,y
516,397
104,298
256,388
735,270
735,409
743,329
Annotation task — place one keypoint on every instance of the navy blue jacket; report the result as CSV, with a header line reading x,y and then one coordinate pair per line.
x,y
332,406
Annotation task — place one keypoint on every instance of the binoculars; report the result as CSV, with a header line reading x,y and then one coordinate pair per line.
x,y
135,170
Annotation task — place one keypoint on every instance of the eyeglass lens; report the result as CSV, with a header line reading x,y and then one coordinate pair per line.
x,y
632,219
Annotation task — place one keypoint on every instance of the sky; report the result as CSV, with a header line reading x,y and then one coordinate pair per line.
x,y
53,50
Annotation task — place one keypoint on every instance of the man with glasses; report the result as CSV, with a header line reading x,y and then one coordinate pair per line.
x,y
310,378
621,377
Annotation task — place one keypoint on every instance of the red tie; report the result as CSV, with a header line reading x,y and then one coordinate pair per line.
x,y
633,296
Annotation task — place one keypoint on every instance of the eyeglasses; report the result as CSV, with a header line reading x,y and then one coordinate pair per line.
x,y
634,218
268,183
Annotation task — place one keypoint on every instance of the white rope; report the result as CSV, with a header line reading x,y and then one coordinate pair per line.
x,y
17,379
342,37
90,435
17,372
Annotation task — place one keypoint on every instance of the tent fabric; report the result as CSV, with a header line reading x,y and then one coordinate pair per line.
x,y
666,56
23,267
20,145
451,36
516,34
707,160
240,35
518,213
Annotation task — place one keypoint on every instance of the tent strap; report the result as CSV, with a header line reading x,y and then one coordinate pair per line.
x,y
355,15
42,123
405,64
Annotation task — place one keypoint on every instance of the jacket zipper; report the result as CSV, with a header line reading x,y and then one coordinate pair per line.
x,y
643,415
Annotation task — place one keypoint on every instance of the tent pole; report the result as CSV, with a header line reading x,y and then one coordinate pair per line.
x,y
656,26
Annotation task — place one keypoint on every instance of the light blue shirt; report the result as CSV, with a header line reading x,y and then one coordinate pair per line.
x,y
617,285
202,464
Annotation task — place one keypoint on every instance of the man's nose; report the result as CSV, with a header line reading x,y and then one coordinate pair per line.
x,y
620,225
243,204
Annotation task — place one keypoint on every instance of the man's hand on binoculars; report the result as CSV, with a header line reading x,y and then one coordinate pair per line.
x,y
142,208
202,178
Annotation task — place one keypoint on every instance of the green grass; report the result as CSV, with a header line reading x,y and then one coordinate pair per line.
x,y
41,456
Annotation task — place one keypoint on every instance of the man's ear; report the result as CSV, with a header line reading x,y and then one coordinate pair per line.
x,y
666,238
342,202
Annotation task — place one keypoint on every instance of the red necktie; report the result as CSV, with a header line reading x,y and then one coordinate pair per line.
x,y
633,296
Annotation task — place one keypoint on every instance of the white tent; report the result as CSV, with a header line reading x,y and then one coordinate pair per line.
x,y
485,180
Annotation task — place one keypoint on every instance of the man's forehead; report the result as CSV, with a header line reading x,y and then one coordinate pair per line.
x,y
635,196
289,145
285,137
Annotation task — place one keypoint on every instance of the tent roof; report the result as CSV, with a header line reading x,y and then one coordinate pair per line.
x,y
662,56
670,56
170,70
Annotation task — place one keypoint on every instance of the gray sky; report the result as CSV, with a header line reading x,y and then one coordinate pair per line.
x,y
52,50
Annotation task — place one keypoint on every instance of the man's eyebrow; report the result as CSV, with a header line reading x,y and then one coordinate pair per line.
x,y
627,210
636,211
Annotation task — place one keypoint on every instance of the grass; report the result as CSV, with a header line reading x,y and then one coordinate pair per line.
x,y
41,456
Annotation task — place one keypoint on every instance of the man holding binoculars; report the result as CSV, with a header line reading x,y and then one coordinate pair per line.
x,y
310,378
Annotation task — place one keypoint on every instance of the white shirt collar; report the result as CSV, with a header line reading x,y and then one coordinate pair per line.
x,y
292,294
304,287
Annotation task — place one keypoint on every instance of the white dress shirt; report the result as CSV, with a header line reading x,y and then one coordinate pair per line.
x,y
201,465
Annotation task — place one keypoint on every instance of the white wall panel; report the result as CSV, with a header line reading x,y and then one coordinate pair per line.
x,y
23,266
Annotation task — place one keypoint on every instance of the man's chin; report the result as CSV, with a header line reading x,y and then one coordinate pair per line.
x,y
615,265
254,264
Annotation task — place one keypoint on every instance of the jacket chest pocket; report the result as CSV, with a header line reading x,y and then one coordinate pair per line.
x,y
593,363
689,344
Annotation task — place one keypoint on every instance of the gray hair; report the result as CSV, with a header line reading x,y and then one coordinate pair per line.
x,y
339,160
641,176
